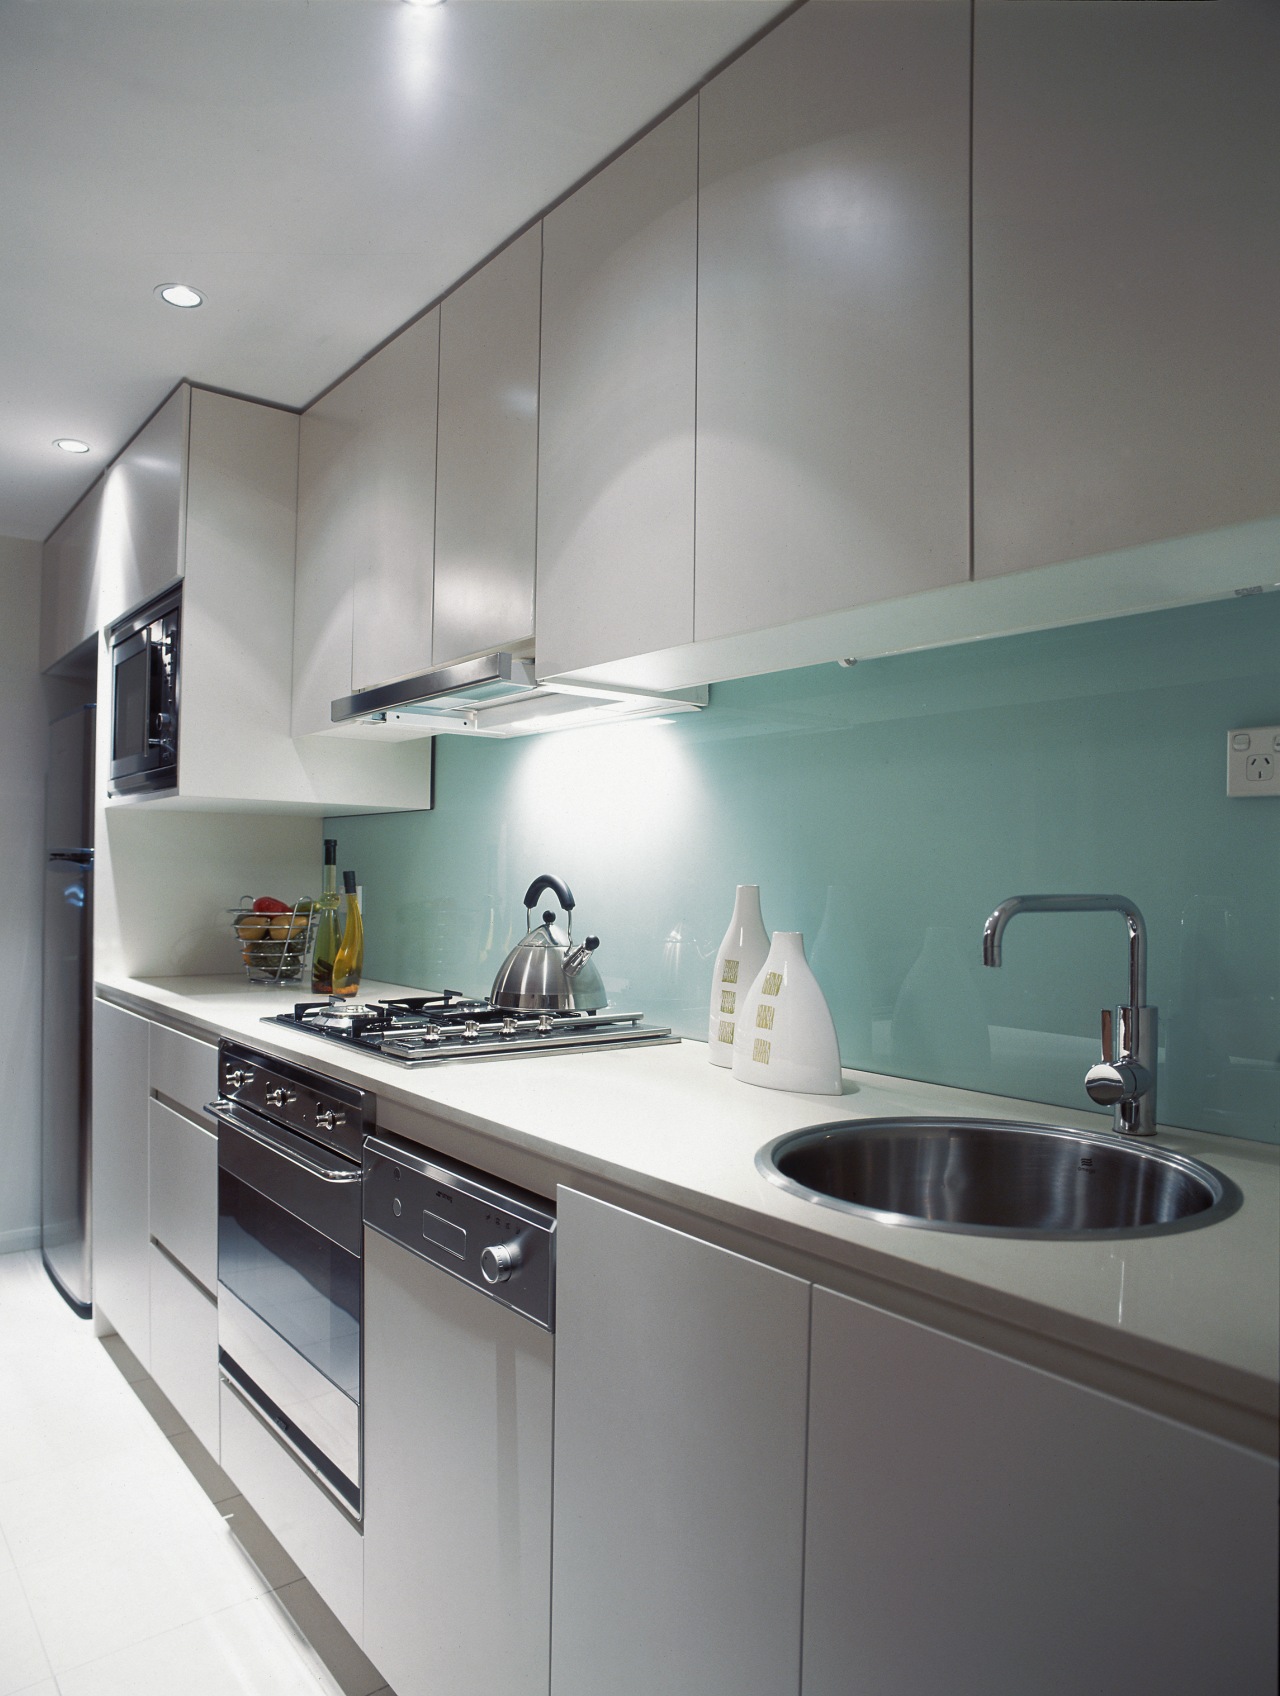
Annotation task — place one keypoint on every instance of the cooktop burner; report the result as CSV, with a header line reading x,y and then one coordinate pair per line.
x,y
417,1029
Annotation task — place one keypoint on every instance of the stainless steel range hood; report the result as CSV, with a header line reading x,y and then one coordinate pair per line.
x,y
499,695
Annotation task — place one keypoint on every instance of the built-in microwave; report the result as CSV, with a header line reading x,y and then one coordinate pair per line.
x,y
145,663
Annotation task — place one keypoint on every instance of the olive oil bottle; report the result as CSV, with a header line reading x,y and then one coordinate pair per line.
x,y
328,936
349,962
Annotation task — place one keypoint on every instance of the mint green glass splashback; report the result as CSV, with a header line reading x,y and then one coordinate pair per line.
x,y
884,810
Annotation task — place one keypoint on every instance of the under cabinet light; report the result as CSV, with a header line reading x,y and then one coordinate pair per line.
x,y
179,294
70,444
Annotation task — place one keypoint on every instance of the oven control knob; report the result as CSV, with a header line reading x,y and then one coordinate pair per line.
x,y
499,1261
328,1120
239,1077
280,1097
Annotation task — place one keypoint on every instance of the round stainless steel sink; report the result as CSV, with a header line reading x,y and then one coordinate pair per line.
x,y
991,1177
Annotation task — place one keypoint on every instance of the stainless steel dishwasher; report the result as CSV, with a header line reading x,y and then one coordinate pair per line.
x,y
459,1308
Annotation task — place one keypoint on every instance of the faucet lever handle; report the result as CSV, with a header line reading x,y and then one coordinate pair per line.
x,y
1108,1037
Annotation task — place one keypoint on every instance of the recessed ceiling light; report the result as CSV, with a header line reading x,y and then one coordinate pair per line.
x,y
70,444
424,2
179,294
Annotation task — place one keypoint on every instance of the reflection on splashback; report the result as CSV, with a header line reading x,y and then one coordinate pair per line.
x,y
884,810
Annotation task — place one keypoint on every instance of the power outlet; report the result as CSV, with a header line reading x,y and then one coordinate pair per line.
x,y
1253,761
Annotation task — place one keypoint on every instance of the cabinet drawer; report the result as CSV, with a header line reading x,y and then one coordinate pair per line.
x,y
295,1509
184,1346
183,1068
184,1191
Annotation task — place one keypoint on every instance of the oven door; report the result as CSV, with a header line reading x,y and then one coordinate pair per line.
x,y
144,703
289,1289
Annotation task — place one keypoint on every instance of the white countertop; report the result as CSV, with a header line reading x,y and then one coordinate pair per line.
x,y
1187,1322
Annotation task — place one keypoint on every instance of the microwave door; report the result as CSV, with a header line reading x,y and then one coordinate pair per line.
x,y
131,750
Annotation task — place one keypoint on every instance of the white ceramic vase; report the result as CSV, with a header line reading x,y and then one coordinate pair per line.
x,y
738,963
786,1038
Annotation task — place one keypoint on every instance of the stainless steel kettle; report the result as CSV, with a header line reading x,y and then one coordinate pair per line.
x,y
544,972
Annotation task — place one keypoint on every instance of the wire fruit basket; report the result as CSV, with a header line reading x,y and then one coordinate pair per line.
x,y
274,946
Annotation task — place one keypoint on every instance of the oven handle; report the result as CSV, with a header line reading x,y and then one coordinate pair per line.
x,y
228,1115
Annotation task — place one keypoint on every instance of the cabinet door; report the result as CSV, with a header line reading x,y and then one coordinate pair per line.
x,y
679,1463
141,540
69,581
1126,268
184,1345
487,463
833,384
390,516
979,1527
366,505
615,471
184,1190
121,1224
457,1483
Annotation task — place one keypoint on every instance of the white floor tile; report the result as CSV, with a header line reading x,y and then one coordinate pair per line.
x,y
22,1658
87,1606
241,1651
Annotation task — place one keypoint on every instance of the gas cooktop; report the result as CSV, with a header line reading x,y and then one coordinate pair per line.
x,y
416,1030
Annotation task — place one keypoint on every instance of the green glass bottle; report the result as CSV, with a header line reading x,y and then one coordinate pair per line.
x,y
328,938
349,962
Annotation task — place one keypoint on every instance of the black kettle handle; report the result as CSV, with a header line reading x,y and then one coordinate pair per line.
x,y
559,888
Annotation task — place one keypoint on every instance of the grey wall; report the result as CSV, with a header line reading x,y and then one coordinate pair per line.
x,y
23,718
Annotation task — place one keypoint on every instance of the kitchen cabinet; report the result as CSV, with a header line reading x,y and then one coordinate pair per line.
x,y
236,540
679,1462
457,1482
979,1526
487,459
366,512
141,540
69,582
121,1264
323,1540
616,451
1126,266
184,1190
184,1344
832,367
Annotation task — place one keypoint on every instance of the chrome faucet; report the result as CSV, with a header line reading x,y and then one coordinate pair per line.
x,y
1124,1080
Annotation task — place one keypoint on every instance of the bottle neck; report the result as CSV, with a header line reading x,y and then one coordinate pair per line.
x,y
329,882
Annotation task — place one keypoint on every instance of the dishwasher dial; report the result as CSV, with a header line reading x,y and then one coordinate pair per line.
x,y
499,1261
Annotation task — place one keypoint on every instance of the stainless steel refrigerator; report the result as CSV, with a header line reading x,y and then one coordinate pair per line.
x,y
68,1008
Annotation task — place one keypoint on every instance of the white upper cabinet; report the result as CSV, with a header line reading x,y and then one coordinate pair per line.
x,y
366,511
141,538
616,456
69,581
1126,270
387,416
833,383
487,459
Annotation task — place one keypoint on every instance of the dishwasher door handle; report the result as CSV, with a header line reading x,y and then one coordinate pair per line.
x,y
227,1114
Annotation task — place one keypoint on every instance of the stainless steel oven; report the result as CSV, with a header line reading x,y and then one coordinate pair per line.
x,y
290,1145
145,667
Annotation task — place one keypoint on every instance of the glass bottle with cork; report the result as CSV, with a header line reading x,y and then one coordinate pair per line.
x,y
349,962
328,935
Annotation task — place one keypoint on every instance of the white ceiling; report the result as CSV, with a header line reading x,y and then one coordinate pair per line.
x,y
321,171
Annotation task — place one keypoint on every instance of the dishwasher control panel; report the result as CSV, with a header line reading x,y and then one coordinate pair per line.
x,y
496,1238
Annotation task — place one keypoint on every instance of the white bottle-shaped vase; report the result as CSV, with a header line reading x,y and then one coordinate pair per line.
x,y
786,1038
738,963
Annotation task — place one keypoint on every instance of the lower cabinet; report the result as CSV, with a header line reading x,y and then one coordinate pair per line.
x,y
679,1463
980,1527
324,1541
183,1161
184,1345
457,1483
121,1256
